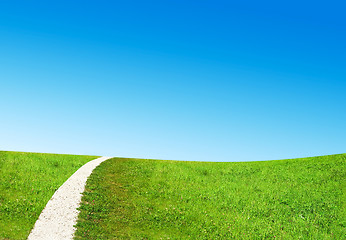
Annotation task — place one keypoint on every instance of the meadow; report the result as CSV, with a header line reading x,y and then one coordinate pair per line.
x,y
153,199
28,181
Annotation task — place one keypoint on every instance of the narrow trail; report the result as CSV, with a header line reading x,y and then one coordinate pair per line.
x,y
58,218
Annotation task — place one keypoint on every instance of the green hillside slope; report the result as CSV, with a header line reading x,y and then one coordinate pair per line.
x,y
27,182
151,199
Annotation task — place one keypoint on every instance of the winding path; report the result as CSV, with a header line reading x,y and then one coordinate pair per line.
x,y
58,218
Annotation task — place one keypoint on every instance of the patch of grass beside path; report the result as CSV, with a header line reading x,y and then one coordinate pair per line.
x,y
152,199
28,181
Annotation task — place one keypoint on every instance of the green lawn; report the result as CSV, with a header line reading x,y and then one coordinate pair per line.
x,y
151,199
28,181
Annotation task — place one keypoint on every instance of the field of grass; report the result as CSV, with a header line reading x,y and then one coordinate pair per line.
x,y
28,181
151,199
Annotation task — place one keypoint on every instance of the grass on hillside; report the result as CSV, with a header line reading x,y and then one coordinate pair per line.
x,y
151,199
28,181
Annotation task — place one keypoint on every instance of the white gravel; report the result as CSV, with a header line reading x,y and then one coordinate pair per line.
x,y
58,218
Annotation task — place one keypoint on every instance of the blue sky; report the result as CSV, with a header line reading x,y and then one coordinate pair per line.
x,y
183,80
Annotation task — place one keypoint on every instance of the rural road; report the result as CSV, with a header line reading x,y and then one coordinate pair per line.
x,y
57,219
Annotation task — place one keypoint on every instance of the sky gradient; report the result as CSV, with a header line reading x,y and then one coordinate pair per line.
x,y
179,80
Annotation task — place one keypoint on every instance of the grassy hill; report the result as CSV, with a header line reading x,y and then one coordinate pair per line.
x,y
154,199
151,199
27,182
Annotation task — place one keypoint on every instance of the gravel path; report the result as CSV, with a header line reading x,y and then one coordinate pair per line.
x,y
60,214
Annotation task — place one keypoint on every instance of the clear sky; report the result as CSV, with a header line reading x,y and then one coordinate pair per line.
x,y
183,80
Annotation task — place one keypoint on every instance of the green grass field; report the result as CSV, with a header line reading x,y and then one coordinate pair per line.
x,y
28,181
151,199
